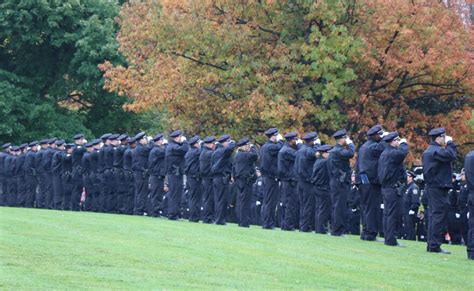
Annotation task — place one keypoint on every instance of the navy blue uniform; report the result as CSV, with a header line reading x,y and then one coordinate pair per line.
x,y
392,176
31,179
194,183
40,199
140,174
20,181
95,180
320,179
340,176
469,170
271,191
370,192
121,188
77,181
221,170
257,198
205,164
46,161
56,166
87,177
174,159
129,199
3,180
10,171
66,165
437,172
353,211
287,174
410,202
304,172
157,169
109,182
244,175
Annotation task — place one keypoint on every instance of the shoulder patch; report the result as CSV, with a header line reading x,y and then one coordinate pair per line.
x,y
415,191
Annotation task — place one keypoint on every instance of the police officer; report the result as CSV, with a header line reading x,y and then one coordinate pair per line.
x,y
20,175
174,159
353,208
269,169
3,174
109,174
46,162
94,175
10,170
41,194
469,172
257,198
140,172
87,177
463,206
66,165
305,171
287,174
320,180
410,204
205,164
340,177
370,192
56,172
128,203
244,176
437,172
392,177
156,167
121,184
193,179
30,174
100,171
77,170
221,170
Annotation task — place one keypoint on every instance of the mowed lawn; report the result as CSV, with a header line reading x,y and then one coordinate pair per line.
x,y
42,249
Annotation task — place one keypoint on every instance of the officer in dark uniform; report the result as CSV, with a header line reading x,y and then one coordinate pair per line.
x,y
56,172
366,170
77,171
10,170
66,165
140,172
3,174
193,179
320,180
269,169
392,177
469,172
244,176
41,194
46,162
100,171
87,177
437,172
157,169
120,180
94,175
304,172
129,200
205,164
20,175
353,208
221,170
410,204
30,174
257,198
174,159
340,177
454,215
463,206
109,183
287,174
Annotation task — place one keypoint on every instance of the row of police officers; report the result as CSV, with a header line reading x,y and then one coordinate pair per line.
x,y
307,182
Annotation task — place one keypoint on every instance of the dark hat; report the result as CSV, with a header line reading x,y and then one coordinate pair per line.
x,y
209,139
78,136
14,148
391,136
194,140
340,134
88,145
44,141
243,141
271,131
411,174
96,141
59,142
376,129
52,140
139,136
176,133
23,146
6,145
113,136
158,137
123,137
310,136
33,143
224,138
105,136
324,148
69,145
437,132
131,140
290,135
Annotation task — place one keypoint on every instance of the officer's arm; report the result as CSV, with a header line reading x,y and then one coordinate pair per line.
x,y
274,148
348,153
446,155
229,149
181,149
401,153
377,150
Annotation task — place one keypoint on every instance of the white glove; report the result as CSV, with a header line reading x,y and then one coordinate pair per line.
x,y
85,141
448,139
348,140
353,210
385,133
183,138
381,206
299,141
258,203
411,212
317,141
457,215
279,137
165,141
403,140
281,204
467,215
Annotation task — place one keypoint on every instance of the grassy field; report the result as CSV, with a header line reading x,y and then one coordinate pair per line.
x,y
42,249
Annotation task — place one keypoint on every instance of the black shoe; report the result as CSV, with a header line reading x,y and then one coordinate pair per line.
x,y
440,251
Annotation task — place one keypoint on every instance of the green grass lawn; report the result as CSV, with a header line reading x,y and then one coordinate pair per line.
x,y
50,249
